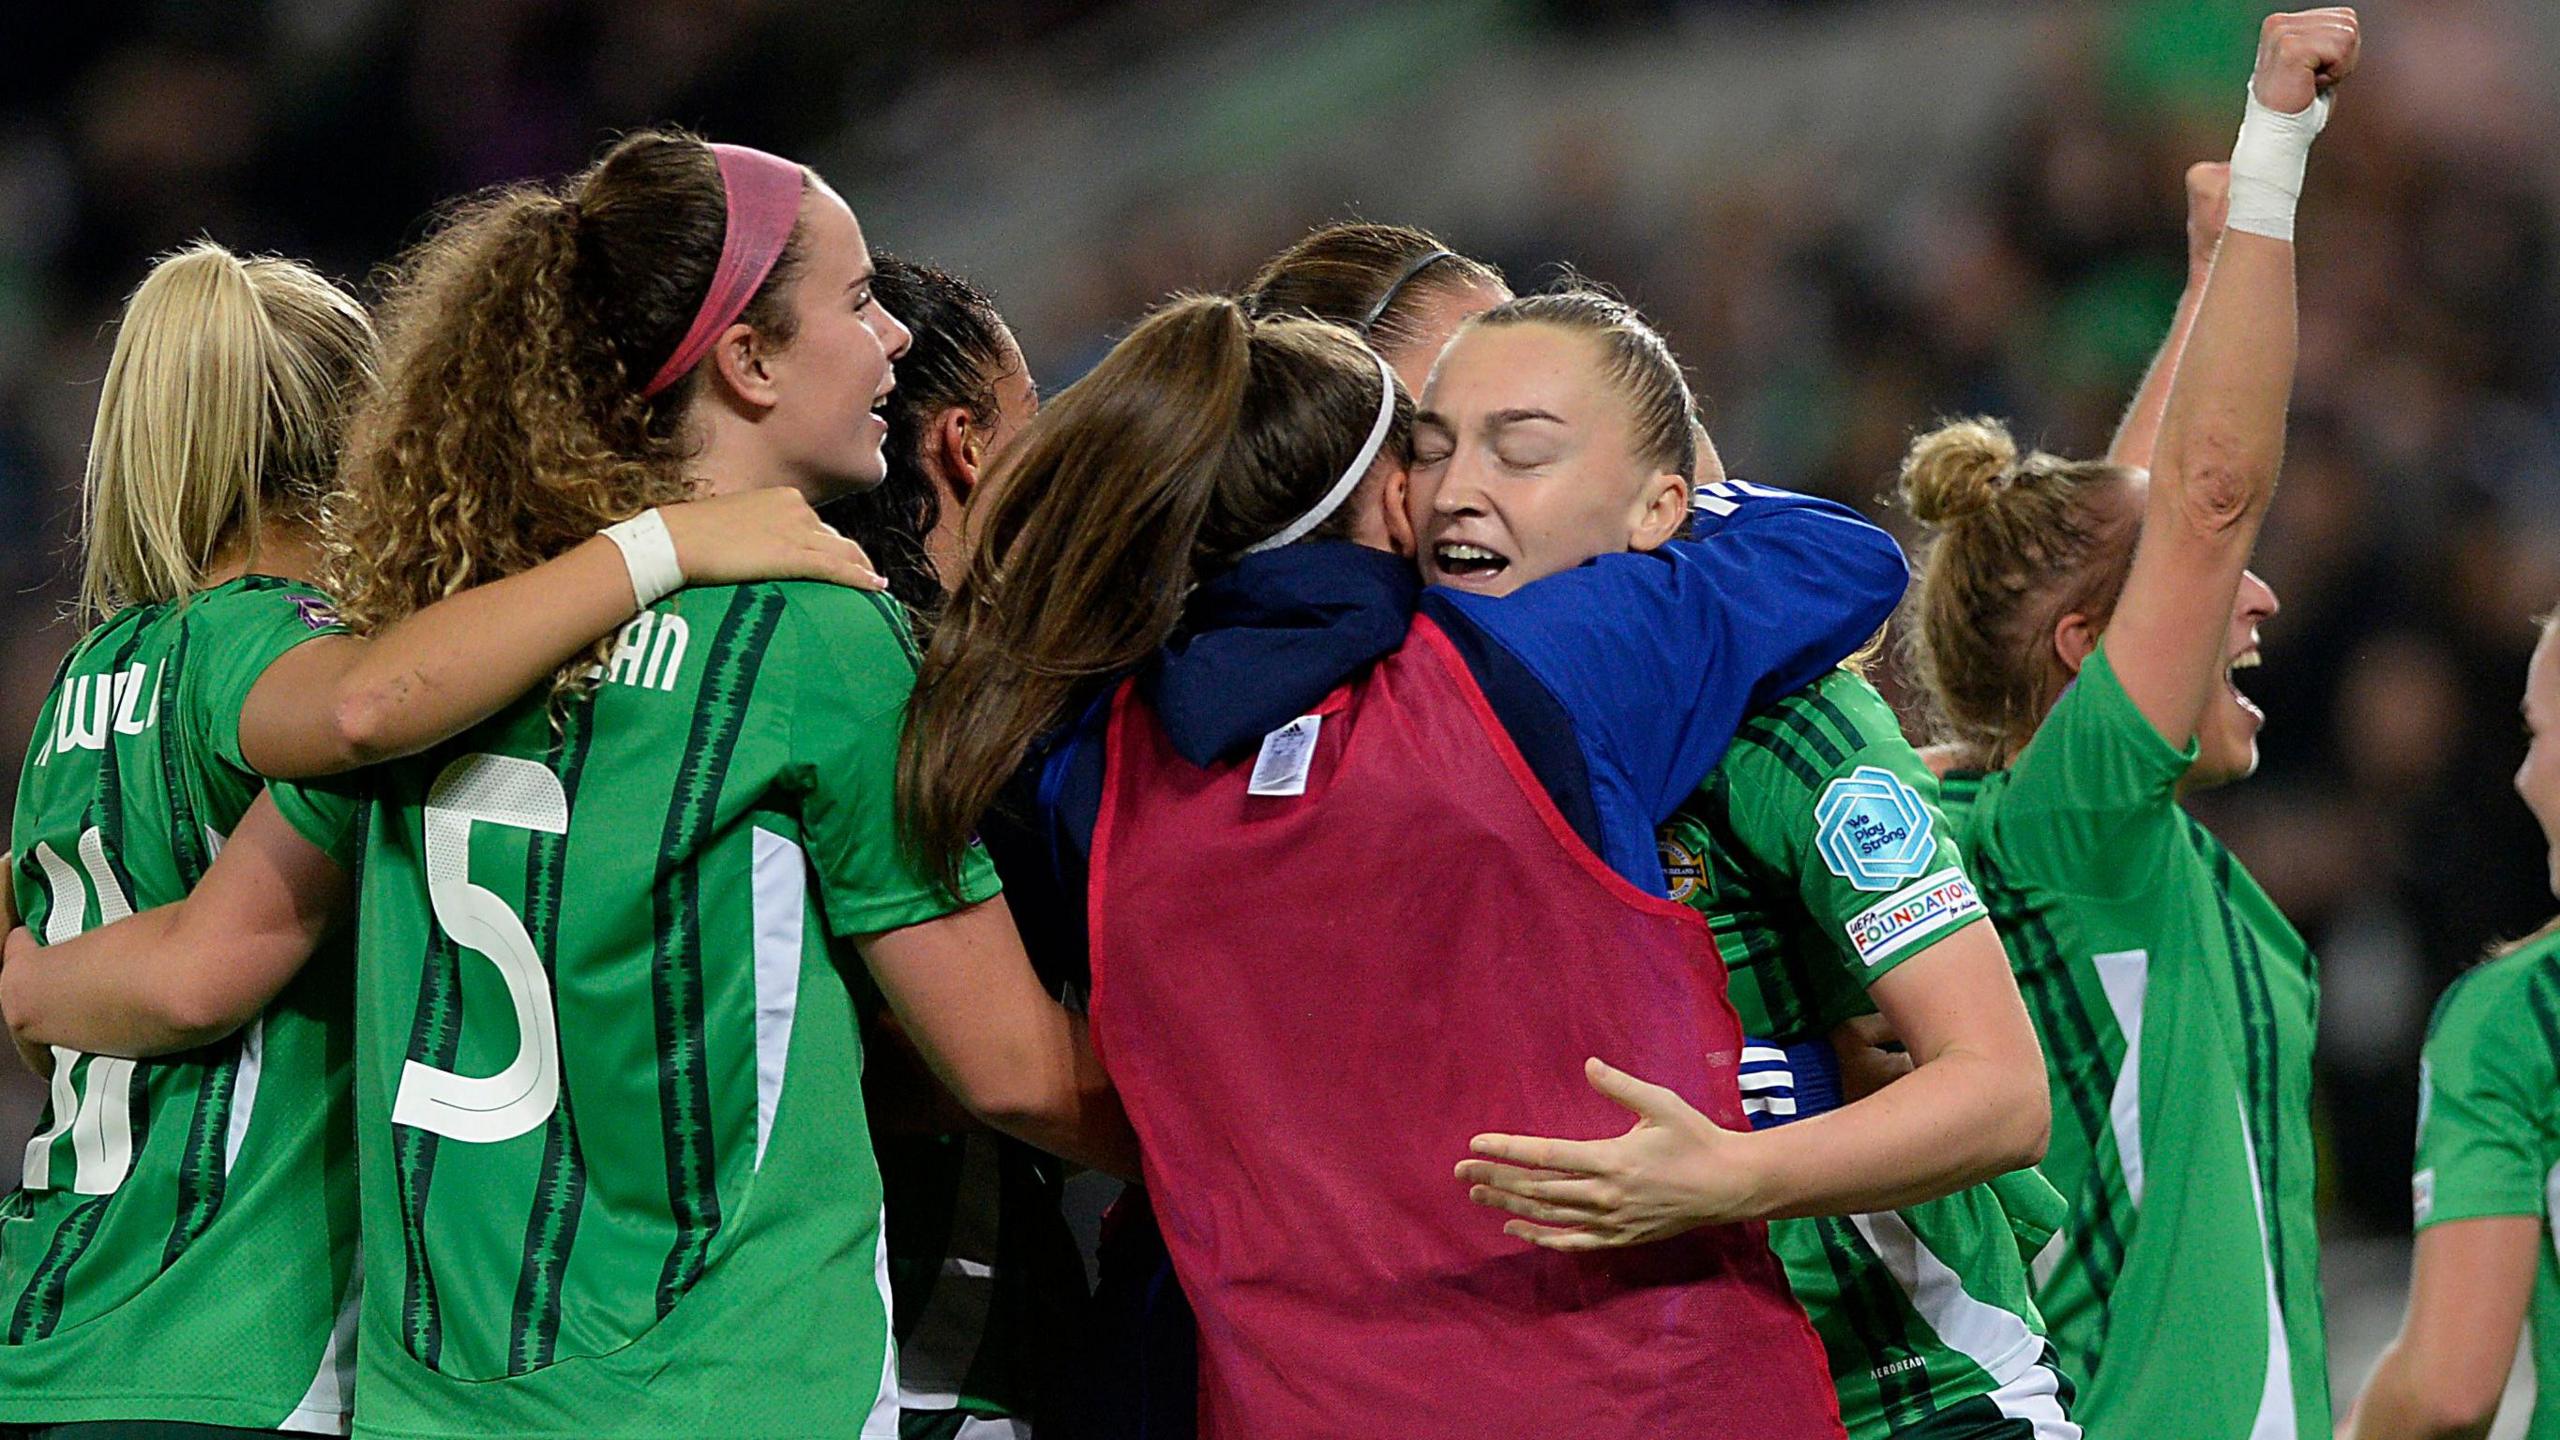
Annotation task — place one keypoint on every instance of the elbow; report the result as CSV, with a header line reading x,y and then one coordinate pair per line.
x,y
2030,1109
1006,1100
361,727
2458,1402
189,1018
2217,493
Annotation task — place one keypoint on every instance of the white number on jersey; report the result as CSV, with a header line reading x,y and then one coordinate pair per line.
x,y
98,1116
491,790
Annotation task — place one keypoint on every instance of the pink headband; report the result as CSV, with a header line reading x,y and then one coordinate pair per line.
x,y
762,193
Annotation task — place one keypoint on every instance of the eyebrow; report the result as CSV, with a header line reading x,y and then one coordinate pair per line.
x,y
1501,418
869,274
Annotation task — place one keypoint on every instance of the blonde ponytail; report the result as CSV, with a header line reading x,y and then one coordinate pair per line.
x,y
225,395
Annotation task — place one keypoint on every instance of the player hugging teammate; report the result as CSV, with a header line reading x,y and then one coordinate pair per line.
x,y
1388,720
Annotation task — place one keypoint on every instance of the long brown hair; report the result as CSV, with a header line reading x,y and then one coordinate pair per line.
x,y
1364,275
1204,432
225,400
509,425
2019,542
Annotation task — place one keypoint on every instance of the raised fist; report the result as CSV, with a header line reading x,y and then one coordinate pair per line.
x,y
2301,55
2208,205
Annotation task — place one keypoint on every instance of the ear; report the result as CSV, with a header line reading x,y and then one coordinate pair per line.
x,y
744,367
1399,495
1660,507
2073,638
957,450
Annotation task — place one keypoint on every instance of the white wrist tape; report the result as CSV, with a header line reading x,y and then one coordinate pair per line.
x,y
649,553
2267,163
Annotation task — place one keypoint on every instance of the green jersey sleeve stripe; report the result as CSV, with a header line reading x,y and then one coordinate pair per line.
x,y
560,1193
1762,736
1791,713
676,978
1852,737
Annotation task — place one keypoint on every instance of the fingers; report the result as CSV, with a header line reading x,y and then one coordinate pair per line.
x,y
1549,1211
1540,1152
841,562
1567,1238
1653,1102
1585,1191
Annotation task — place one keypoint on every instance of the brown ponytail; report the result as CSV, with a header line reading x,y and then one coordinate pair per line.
x,y
2019,544
1202,433
509,425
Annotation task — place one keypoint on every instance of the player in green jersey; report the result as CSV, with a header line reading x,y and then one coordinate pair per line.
x,y
614,1177
2488,1167
1816,854
987,1285
2077,626
182,1245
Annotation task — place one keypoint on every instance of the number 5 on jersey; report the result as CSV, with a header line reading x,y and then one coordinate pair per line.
x,y
524,795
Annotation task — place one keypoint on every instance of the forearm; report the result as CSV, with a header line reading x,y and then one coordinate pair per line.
x,y
2395,1405
2139,432
1053,1094
453,664
2221,438
1957,1121
129,998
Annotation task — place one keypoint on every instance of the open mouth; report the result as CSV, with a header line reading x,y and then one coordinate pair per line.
x,y
1458,561
2245,660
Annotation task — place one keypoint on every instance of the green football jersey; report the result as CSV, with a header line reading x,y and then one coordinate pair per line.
x,y
1817,856
182,1246
2489,1125
2177,1008
615,1173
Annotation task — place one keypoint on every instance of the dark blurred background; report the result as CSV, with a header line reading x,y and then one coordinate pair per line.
x,y
1850,218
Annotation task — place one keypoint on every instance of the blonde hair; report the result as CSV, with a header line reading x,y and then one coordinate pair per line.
x,y
226,395
2019,542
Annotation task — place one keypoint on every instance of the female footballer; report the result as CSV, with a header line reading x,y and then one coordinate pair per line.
x,y
614,1178
182,1244
2077,625
2488,1163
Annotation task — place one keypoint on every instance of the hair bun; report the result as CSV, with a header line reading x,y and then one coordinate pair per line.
x,y
1957,469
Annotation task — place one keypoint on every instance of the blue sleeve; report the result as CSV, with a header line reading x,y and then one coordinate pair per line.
x,y
1658,655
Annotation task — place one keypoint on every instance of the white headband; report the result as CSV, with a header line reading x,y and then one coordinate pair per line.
x,y
1296,529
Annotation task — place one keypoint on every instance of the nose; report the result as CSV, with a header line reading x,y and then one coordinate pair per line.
x,y
1461,488
2257,597
896,337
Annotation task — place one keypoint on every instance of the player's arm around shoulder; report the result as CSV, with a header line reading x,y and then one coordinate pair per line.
x,y
184,974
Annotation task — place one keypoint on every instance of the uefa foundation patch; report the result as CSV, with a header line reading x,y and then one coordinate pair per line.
x,y
1934,905
1872,829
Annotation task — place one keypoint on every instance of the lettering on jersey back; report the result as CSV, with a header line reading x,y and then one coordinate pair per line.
x,y
124,702
649,653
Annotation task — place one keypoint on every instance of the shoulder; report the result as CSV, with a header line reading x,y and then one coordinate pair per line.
x,y
2516,994
261,600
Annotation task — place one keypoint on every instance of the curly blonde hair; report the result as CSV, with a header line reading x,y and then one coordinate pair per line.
x,y
509,424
